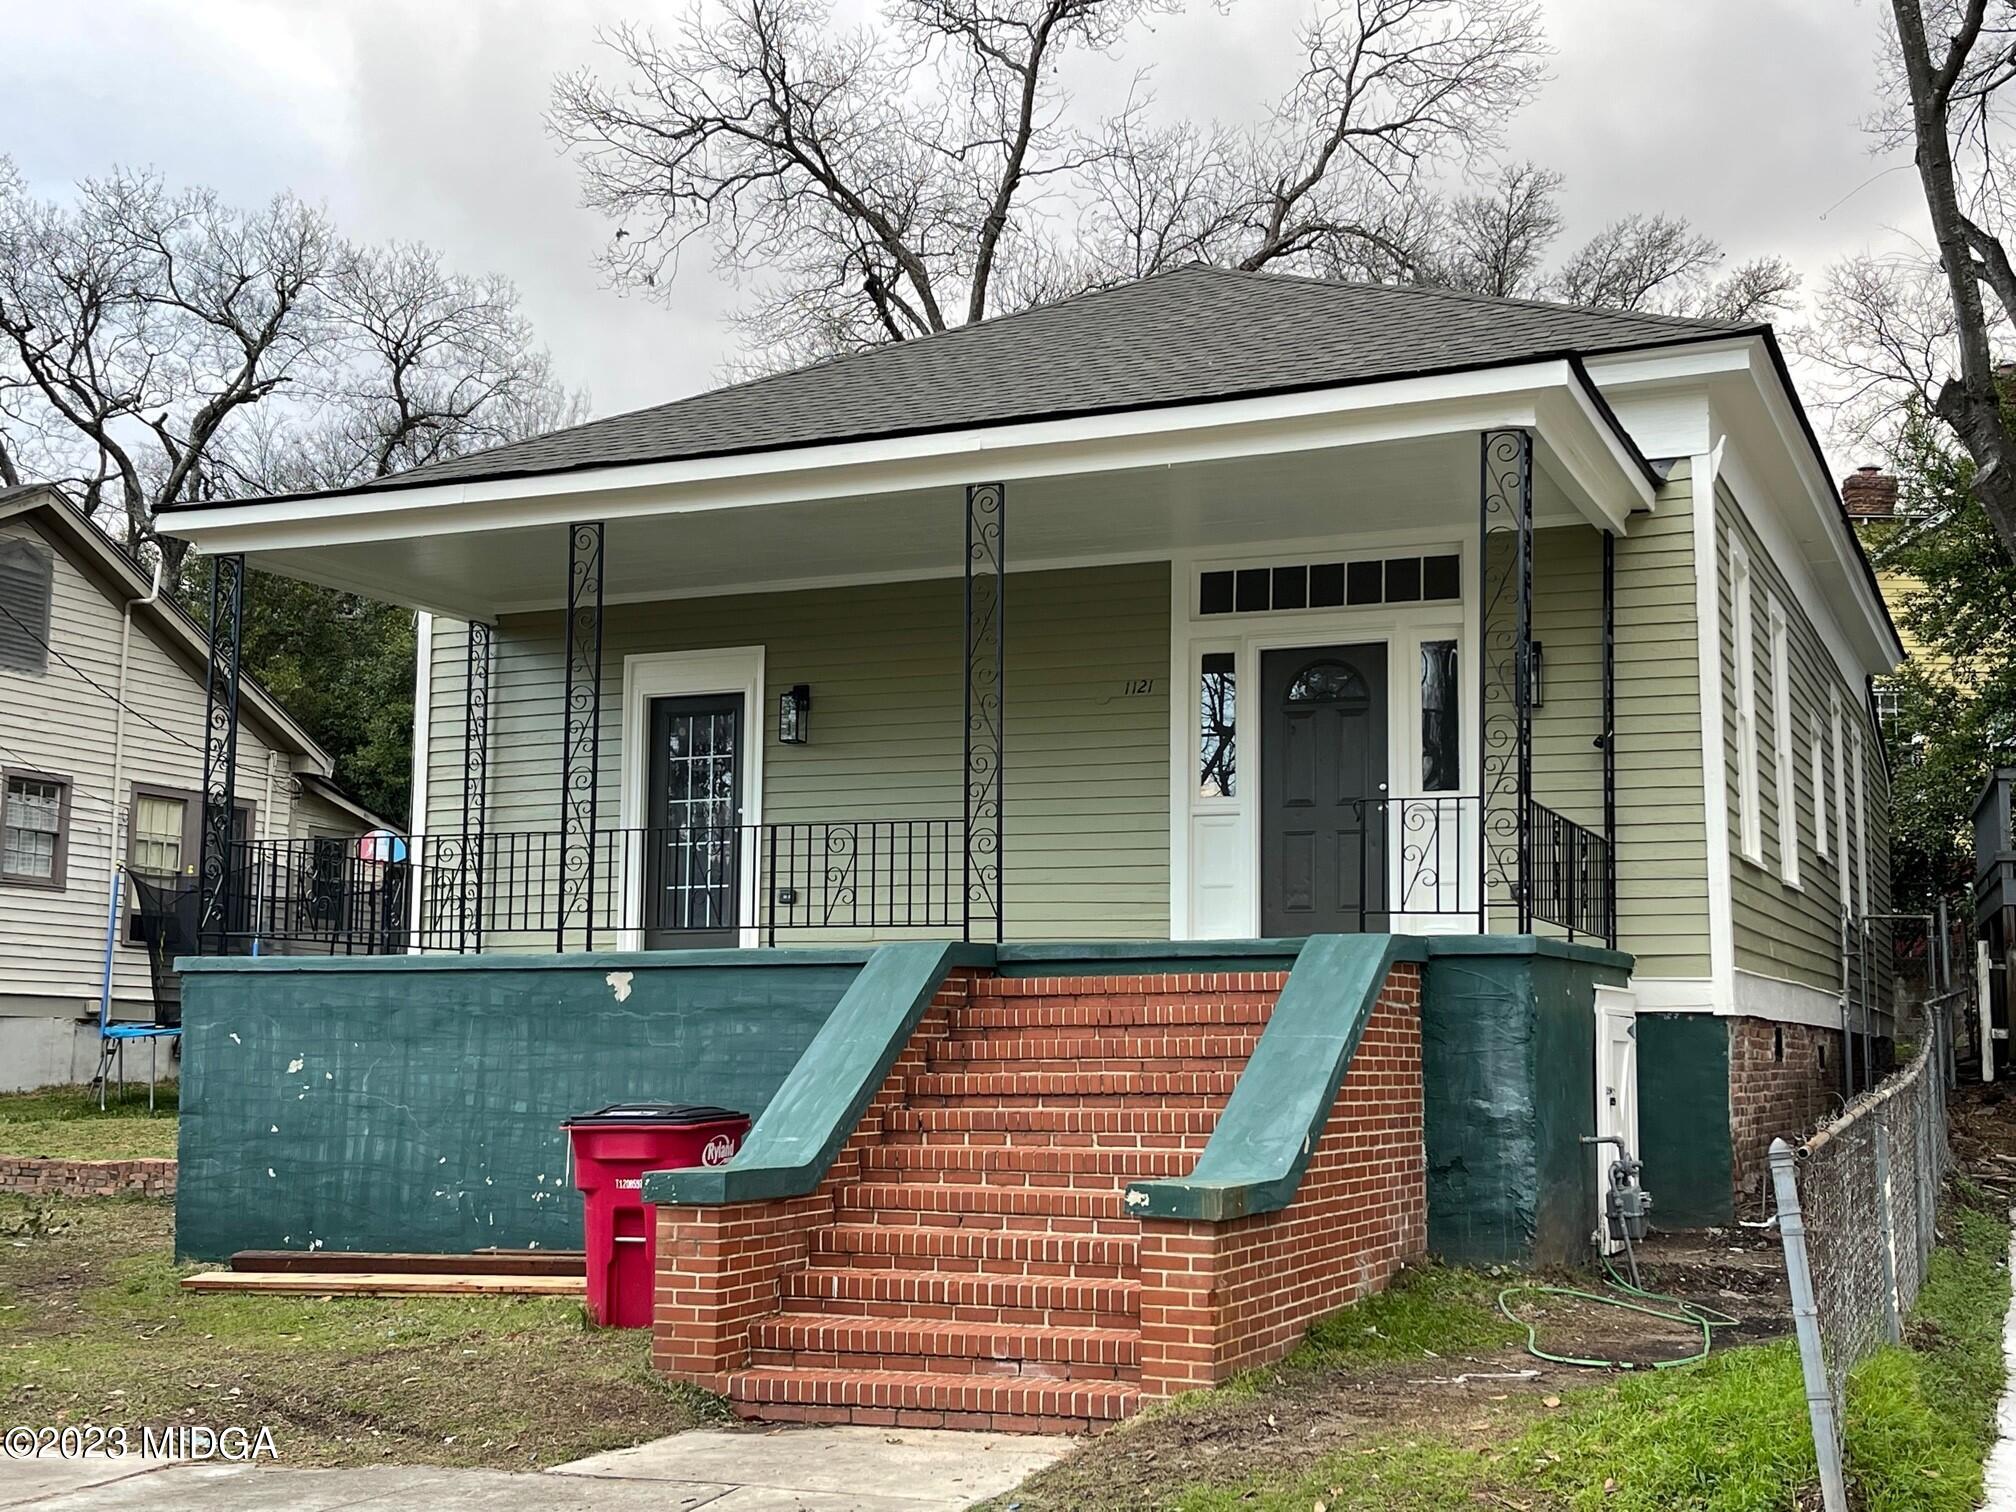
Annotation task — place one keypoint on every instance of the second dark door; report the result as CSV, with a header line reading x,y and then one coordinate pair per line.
x,y
693,848
1323,790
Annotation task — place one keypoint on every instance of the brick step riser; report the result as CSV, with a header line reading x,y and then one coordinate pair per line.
x,y
930,1312
1028,1045
1028,1087
1040,1139
1021,1123
1112,1226
959,1202
954,1293
950,1338
867,1364
1082,1014
1094,1066
1207,985
1060,1160
1003,1252
924,1400
879,1417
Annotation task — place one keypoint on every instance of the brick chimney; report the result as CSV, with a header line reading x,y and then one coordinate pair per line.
x,y
1869,493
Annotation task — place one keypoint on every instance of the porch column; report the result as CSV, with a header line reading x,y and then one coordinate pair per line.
x,y
216,875
1608,739
475,779
1505,734
986,679
581,751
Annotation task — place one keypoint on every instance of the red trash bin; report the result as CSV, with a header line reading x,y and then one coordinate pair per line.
x,y
613,1148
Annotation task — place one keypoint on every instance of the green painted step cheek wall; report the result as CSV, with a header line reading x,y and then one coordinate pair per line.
x,y
1508,1052
411,1104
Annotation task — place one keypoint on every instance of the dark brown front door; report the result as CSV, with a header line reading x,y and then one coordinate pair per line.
x,y
693,848
1323,790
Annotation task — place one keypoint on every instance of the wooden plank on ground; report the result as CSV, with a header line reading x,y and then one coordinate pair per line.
x,y
382,1283
482,1263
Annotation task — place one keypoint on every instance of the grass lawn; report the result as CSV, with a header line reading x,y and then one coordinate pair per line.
x,y
94,1329
1408,1402
65,1121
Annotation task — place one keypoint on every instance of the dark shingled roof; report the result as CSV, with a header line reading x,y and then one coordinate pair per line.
x,y
1196,333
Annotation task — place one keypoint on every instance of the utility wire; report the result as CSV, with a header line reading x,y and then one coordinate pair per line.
x,y
104,691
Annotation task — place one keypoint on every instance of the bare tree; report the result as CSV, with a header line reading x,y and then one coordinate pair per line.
x,y
1659,263
160,346
1956,62
888,183
142,321
1496,242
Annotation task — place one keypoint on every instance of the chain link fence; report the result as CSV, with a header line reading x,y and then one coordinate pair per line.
x,y
1858,1203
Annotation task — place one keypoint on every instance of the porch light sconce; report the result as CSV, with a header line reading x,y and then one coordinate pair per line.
x,y
794,714
1536,664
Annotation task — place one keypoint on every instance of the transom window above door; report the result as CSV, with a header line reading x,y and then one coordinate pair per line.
x,y
1435,579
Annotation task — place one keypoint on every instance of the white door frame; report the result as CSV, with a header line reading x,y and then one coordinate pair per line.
x,y
1616,1105
681,674
1400,627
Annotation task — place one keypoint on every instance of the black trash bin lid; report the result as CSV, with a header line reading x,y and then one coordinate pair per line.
x,y
618,1114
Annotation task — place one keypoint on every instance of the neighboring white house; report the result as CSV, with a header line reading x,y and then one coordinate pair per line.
x,y
101,762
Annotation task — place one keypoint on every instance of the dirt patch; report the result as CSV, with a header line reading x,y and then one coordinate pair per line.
x,y
1278,1422
95,1330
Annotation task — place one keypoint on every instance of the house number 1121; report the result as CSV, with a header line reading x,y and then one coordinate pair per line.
x,y
1135,686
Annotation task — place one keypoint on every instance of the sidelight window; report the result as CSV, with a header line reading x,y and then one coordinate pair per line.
x,y
1217,709
1441,724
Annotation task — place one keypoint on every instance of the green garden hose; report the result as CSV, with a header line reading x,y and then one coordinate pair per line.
x,y
1675,1310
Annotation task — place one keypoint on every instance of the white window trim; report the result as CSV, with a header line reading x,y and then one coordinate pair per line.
x,y
1840,794
1822,815
676,674
1785,773
1743,627
1861,829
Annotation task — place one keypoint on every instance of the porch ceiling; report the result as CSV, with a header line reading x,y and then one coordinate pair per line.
x,y
1226,503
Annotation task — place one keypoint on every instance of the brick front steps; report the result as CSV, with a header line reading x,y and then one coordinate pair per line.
x,y
969,1260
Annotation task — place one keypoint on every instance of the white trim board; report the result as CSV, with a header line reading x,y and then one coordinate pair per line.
x,y
1550,398
676,674
1752,995
1706,469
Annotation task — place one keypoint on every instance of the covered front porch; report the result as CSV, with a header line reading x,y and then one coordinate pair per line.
x,y
1336,663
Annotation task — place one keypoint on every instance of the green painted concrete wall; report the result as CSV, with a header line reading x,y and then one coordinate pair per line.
x,y
1683,1118
1508,1055
413,1103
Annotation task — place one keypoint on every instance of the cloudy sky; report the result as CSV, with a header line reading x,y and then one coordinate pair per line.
x,y
412,118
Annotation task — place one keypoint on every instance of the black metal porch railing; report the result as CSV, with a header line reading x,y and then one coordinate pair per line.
x,y
1408,859
644,888
1573,885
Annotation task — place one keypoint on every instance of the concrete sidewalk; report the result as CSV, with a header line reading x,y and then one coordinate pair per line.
x,y
728,1470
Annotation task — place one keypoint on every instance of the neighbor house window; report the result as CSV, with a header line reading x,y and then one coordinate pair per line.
x,y
1217,722
34,828
1750,822
27,573
160,834
1441,750
1784,774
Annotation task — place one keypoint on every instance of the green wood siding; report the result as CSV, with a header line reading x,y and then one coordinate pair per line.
x,y
1087,764
1780,930
1662,872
